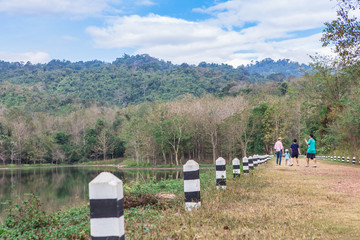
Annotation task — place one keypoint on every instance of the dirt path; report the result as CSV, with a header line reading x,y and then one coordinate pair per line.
x,y
341,177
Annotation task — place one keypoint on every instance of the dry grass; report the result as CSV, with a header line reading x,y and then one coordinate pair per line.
x,y
274,203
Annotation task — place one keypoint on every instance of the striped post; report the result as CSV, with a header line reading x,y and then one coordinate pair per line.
x,y
191,185
220,173
106,207
251,163
331,158
339,159
245,162
236,167
256,161
354,160
348,160
343,159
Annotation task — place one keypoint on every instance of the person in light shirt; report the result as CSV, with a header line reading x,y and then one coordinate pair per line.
x,y
278,151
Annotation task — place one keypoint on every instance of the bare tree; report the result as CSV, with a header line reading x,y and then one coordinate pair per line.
x,y
21,132
103,143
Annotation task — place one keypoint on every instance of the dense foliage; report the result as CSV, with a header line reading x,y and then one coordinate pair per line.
x,y
28,221
60,86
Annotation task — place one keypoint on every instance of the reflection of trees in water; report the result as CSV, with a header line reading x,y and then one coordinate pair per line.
x,y
62,187
3,179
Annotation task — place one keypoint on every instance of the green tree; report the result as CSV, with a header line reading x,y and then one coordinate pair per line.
x,y
344,32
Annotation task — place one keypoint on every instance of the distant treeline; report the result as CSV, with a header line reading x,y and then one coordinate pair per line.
x,y
326,103
58,86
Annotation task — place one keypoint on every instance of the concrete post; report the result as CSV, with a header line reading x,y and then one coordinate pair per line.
x,y
236,167
256,160
245,162
191,185
251,163
220,173
106,207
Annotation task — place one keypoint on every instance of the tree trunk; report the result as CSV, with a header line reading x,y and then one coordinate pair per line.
x,y
164,156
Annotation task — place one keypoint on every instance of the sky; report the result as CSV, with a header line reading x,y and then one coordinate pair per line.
x,y
233,32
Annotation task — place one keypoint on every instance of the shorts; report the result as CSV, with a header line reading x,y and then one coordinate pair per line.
x,y
294,155
310,155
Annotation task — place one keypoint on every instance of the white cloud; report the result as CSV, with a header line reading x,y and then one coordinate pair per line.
x,y
219,39
144,3
71,7
33,57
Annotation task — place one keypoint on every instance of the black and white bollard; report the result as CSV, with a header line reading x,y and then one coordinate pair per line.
x,y
191,185
251,163
343,159
245,163
331,158
220,173
339,159
256,160
354,160
236,167
106,207
348,160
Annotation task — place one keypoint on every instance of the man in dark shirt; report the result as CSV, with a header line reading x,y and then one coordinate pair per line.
x,y
295,151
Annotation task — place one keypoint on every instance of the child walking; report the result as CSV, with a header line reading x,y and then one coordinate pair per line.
x,y
287,157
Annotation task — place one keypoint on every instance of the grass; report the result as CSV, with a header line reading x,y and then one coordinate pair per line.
x,y
27,165
114,161
125,163
269,203
130,163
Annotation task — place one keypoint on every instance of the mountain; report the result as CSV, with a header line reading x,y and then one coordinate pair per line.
x,y
62,85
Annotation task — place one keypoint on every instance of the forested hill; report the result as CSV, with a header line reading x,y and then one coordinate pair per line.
x,y
58,85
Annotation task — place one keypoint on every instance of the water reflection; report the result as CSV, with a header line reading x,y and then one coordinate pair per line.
x,y
63,187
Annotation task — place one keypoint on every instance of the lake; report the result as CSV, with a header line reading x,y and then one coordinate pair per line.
x,y
64,187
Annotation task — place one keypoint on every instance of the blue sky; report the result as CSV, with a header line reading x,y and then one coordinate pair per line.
x,y
233,32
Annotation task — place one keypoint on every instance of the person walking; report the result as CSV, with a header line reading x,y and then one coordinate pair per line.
x,y
295,152
278,151
287,158
310,154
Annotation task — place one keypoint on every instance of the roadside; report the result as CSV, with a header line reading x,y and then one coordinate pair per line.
x,y
270,203
274,203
